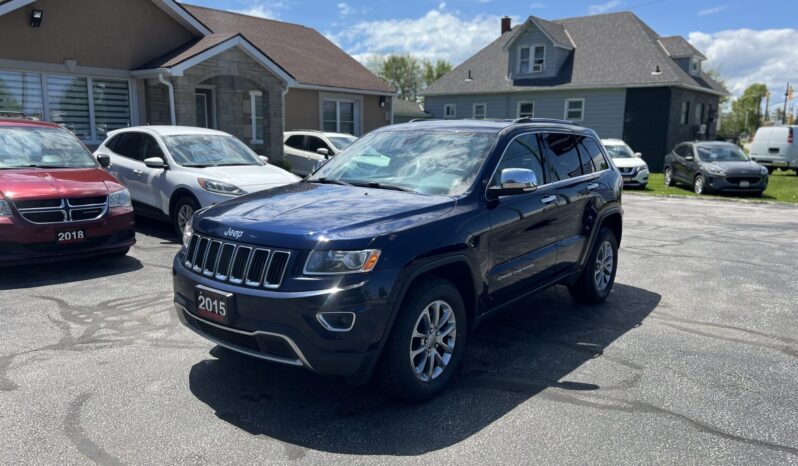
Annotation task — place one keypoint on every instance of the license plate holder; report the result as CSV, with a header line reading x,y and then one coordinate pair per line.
x,y
71,236
214,305
745,184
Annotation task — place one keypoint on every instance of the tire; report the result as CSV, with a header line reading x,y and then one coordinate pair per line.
x,y
182,207
700,184
121,253
398,371
668,176
590,287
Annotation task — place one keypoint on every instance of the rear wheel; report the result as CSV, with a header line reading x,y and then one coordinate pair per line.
x,y
427,342
699,184
595,283
668,176
182,212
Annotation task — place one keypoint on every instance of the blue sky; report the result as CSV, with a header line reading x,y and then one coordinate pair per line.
x,y
746,40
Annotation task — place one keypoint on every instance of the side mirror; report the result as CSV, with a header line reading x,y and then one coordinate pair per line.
x,y
104,160
263,158
514,181
638,155
155,162
323,151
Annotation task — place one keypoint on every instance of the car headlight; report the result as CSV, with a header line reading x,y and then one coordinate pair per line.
x,y
715,170
5,209
119,199
188,231
321,262
219,187
763,170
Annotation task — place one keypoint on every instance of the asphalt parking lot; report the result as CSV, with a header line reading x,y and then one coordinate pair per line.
x,y
693,359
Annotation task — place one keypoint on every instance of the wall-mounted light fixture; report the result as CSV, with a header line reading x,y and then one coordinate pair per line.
x,y
36,18
382,101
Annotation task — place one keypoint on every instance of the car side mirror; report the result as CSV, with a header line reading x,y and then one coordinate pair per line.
x,y
264,159
323,151
155,162
638,155
514,181
104,160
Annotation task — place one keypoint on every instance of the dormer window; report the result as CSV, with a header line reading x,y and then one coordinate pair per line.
x,y
531,59
695,66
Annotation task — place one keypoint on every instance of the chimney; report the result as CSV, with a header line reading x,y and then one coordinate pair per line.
x,y
506,24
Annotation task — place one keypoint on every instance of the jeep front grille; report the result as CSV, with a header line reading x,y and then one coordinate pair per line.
x,y
236,263
62,210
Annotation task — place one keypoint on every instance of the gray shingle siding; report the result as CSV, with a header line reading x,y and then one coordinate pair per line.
x,y
603,111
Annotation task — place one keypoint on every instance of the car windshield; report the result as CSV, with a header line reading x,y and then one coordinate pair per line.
x,y
39,147
617,151
721,153
429,162
209,150
341,142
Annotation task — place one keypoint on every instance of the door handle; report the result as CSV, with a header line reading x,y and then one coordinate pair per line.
x,y
592,186
138,172
549,199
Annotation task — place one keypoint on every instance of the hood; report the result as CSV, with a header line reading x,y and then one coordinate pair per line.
x,y
629,162
41,183
245,176
748,167
302,214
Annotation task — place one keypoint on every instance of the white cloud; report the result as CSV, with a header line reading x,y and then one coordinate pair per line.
x,y
436,35
344,9
746,56
712,11
263,9
537,6
603,7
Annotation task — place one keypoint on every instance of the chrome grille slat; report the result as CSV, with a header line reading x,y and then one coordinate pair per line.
x,y
237,264
52,211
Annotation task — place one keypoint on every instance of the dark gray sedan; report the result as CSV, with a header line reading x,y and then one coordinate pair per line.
x,y
714,167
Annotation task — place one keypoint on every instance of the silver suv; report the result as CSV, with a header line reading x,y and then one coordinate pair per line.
x,y
172,171
304,150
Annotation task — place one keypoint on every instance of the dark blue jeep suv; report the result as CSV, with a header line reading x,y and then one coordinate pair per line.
x,y
384,259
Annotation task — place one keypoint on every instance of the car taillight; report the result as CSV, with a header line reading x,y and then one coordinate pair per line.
x,y
789,135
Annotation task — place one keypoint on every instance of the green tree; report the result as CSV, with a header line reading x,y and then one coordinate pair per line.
x,y
435,71
408,74
746,113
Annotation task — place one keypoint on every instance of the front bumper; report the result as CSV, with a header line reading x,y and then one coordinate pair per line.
x,y
22,242
635,179
775,161
283,326
735,183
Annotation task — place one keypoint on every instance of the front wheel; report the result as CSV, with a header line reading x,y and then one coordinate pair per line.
x,y
595,283
427,342
182,212
699,184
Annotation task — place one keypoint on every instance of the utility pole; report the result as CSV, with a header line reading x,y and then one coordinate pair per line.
x,y
787,95
767,106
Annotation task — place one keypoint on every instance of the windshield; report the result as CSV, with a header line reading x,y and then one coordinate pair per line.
x,y
22,147
620,151
429,162
721,153
209,150
340,142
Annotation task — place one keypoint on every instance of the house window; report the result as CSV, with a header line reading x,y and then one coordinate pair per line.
x,y
450,111
699,114
338,116
695,66
574,109
526,109
89,107
256,116
479,111
531,59
685,115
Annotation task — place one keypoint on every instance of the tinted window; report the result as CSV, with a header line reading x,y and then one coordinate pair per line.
x,y
682,150
129,145
523,152
590,149
563,155
151,147
111,144
316,143
297,142
584,156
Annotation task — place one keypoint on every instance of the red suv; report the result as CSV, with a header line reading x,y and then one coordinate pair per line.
x,y
56,200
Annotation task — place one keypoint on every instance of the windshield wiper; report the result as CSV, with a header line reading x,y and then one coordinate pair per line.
x,y
378,185
325,180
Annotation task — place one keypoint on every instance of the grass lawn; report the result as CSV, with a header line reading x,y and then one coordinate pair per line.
x,y
782,187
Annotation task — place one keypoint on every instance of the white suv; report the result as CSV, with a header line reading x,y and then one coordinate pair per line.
x,y
305,149
172,171
633,168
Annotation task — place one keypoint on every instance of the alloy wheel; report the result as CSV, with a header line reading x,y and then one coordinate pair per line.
x,y
668,177
698,186
184,215
602,270
432,341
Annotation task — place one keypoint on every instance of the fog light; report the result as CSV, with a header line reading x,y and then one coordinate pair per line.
x,y
336,321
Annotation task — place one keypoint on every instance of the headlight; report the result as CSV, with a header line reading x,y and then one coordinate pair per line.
x,y
219,187
119,199
188,232
5,209
337,262
764,170
715,170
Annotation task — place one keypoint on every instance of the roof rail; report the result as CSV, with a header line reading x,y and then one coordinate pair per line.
x,y
16,115
542,120
414,120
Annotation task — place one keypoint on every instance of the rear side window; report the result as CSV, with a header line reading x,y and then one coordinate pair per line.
x,y
523,152
563,155
589,149
129,145
297,142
